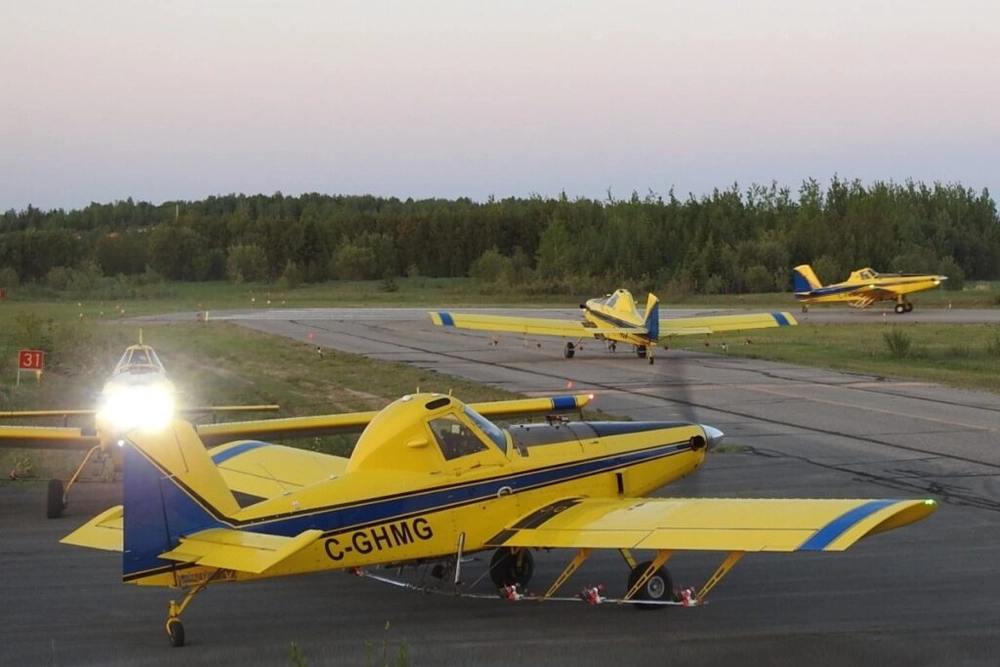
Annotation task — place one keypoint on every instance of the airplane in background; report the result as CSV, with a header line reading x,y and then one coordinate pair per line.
x,y
615,319
138,393
863,288
432,480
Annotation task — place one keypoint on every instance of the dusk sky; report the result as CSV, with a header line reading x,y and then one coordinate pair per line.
x,y
104,100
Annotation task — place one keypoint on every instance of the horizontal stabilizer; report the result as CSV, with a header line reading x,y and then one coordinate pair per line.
x,y
104,531
710,524
239,550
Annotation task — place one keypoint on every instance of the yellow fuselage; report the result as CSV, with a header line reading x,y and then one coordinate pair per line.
x,y
414,515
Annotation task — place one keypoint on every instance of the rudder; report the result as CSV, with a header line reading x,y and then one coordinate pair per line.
x,y
804,279
170,488
652,319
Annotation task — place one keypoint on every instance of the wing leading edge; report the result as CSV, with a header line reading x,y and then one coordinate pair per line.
x,y
711,524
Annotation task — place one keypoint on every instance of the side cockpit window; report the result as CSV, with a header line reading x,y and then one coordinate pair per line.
x,y
454,438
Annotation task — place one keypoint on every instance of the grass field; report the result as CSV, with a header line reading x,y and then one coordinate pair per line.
x,y
224,364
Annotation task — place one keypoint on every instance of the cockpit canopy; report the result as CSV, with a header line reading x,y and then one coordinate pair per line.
x,y
620,300
428,433
138,359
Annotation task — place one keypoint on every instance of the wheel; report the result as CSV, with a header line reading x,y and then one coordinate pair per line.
x,y
508,567
650,359
658,588
908,307
900,308
640,351
56,501
569,350
805,309
175,631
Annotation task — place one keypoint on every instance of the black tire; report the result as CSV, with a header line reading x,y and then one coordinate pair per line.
x,y
569,350
658,588
908,307
56,500
640,351
651,359
900,308
508,568
175,632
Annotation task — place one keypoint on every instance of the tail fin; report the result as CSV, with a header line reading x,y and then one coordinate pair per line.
x,y
804,279
652,320
170,488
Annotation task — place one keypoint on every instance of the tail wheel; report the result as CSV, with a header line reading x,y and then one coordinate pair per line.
x,y
569,350
658,588
508,567
56,500
175,631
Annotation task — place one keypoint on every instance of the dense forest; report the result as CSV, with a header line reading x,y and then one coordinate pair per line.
x,y
732,241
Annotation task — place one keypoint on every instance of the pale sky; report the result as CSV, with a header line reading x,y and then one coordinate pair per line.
x,y
107,99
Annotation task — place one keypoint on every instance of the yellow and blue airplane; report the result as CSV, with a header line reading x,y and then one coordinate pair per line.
x,y
432,480
863,288
137,393
615,319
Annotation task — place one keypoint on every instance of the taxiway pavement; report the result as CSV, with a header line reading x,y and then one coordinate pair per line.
x,y
927,594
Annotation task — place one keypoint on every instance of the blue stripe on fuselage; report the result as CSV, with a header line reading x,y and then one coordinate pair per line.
x,y
619,324
823,537
337,519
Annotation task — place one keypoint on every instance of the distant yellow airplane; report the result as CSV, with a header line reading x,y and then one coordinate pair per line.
x,y
615,319
432,480
138,393
863,288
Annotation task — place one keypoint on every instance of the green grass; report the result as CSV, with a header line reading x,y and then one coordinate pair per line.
x,y
959,355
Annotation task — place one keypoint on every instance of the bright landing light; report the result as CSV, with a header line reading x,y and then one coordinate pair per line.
x,y
146,408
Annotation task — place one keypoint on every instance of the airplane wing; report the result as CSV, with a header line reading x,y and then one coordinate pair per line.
x,y
355,422
255,470
709,324
710,524
46,437
526,325
27,414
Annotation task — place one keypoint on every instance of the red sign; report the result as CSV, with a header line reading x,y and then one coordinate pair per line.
x,y
30,360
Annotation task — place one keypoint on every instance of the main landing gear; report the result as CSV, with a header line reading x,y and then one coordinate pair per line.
x,y
57,497
569,349
511,566
643,352
903,307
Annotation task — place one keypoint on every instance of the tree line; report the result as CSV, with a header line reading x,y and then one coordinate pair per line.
x,y
729,241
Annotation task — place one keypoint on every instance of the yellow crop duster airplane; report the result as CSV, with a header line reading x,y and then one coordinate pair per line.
x,y
615,319
432,480
863,288
138,393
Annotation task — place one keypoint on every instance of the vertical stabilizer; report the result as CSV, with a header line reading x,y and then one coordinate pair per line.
x,y
652,319
804,279
170,488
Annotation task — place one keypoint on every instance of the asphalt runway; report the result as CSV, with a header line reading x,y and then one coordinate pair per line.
x,y
927,594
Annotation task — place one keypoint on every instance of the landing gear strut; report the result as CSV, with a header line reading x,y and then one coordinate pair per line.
x,y
174,627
